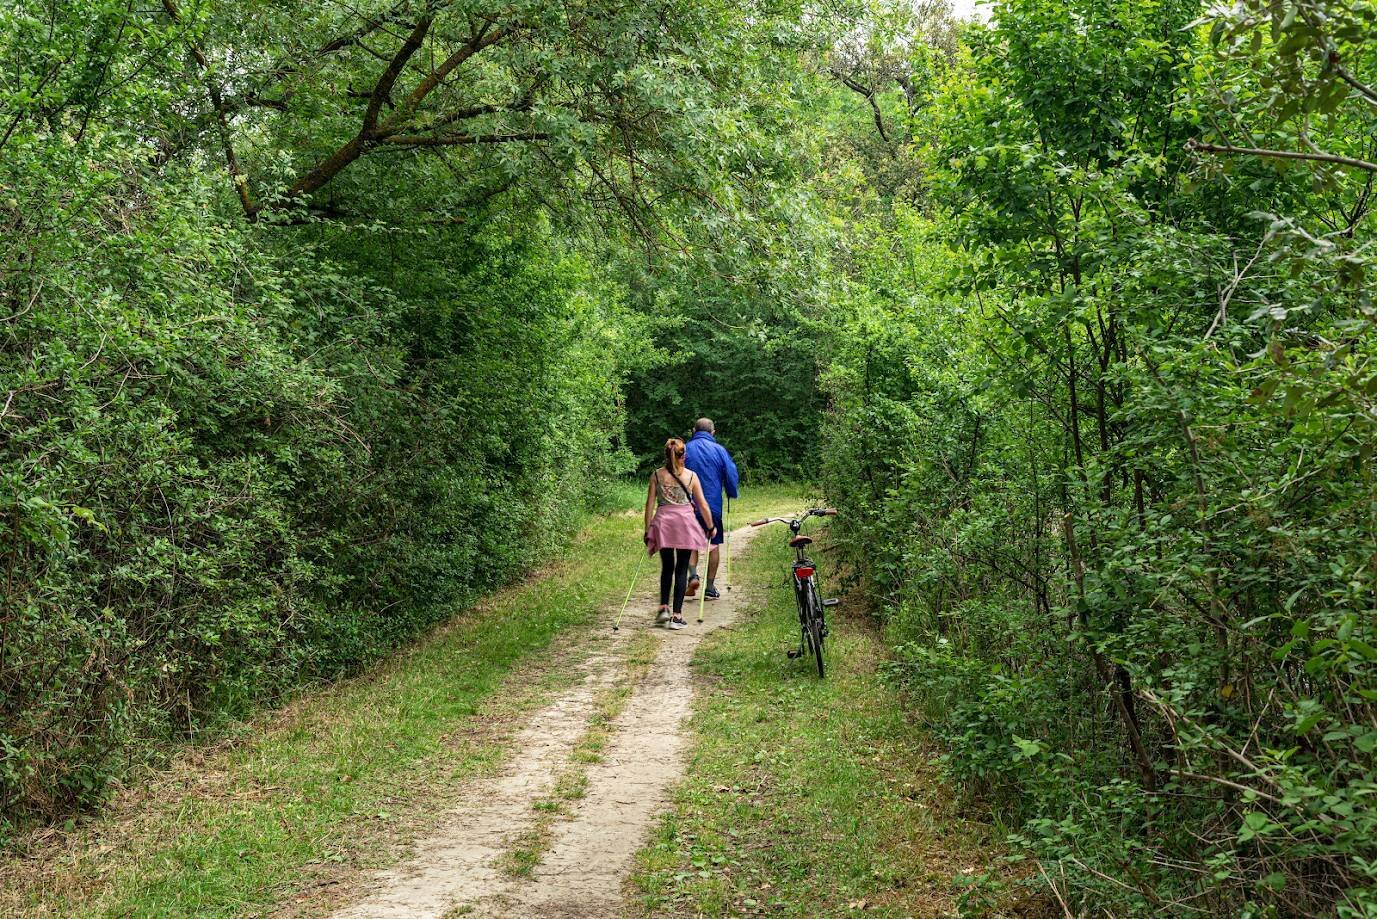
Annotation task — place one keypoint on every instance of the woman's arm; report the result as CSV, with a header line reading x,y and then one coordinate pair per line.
x,y
703,509
650,503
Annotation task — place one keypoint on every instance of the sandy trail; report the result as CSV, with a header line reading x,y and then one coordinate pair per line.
x,y
456,870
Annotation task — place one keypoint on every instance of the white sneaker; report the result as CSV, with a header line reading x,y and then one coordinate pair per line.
x,y
663,616
677,623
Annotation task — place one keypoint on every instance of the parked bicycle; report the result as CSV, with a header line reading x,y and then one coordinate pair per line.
x,y
812,622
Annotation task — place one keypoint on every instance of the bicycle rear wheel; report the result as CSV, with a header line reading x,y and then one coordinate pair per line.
x,y
805,641
814,628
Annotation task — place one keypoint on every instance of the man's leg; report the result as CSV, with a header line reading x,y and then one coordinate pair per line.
x,y
714,557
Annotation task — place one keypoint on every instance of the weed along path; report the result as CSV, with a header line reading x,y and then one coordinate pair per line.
x,y
555,832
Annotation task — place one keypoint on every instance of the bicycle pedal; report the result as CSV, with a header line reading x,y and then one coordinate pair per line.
x,y
832,602
794,655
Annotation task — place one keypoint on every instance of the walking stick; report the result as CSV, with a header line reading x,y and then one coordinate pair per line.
x,y
702,595
728,523
703,592
636,577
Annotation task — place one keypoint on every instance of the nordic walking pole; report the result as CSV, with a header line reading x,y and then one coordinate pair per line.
x,y
703,593
629,590
728,534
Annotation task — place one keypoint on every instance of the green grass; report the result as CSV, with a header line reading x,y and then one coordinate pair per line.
x,y
806,797
617,495
336,780
630,492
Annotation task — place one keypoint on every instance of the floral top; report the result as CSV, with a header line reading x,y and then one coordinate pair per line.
x,y
669,491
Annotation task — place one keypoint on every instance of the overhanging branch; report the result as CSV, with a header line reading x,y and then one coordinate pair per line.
x,y
869,95
331,166
458,140
1198,146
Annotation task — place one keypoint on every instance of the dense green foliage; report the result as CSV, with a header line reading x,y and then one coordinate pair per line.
x,y
305,337
756,380
1102,426
315,320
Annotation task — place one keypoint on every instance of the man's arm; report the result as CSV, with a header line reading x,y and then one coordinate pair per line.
x,y
730,478
704,508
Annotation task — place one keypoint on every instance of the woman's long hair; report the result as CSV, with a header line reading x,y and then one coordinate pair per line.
x,y
674,456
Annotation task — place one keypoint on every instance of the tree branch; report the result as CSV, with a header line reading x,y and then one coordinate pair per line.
x,y
869,95
1197,146
455,140
331,166
257,98
366,28
217,102
522,104
339,43
1363,89
482,39
383,88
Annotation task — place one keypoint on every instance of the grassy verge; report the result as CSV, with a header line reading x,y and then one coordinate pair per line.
x,y
336,778
290,804
807,797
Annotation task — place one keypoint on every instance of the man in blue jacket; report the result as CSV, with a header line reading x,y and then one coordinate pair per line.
x,y
715,469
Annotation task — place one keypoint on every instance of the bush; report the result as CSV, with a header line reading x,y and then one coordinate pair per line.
x,y
1101,430
235,460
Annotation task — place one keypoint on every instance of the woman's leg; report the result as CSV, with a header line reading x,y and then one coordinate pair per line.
x,y
667,561
681,567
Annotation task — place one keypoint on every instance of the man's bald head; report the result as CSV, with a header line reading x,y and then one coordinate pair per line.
x,y
703,424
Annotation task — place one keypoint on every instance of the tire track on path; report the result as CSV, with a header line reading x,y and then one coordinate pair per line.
x,y
457,869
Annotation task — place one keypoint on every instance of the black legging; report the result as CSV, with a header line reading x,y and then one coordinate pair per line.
x,y
674,565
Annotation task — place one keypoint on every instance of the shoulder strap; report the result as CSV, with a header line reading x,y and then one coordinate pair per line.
x,y
688,493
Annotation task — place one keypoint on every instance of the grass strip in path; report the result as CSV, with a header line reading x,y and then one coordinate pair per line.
x,y
808,797
529,847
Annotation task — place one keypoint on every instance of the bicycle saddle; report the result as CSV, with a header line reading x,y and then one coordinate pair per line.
x,y
798,541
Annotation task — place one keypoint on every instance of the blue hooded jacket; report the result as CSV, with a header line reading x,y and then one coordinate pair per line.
x,y
714,466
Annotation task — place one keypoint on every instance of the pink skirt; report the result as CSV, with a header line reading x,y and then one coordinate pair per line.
x,y
675,526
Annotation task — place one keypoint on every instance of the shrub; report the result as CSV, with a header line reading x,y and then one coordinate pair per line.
x,y
235,460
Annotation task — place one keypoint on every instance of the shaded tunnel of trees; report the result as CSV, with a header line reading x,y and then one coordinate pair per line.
x,y
318,321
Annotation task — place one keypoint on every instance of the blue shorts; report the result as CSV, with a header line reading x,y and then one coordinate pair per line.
x,y
721,534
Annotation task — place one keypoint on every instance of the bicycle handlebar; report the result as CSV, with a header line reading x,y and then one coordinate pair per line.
x,y
815,512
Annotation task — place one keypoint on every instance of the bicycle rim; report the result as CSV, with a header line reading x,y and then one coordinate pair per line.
x,y
814,629
815,639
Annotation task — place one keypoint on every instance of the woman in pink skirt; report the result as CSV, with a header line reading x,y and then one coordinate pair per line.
x,y
672,529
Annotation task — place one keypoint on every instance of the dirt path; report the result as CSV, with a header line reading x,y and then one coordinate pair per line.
x,y
459,869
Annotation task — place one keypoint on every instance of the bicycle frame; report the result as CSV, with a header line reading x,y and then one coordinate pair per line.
x,y
801,561
812,623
